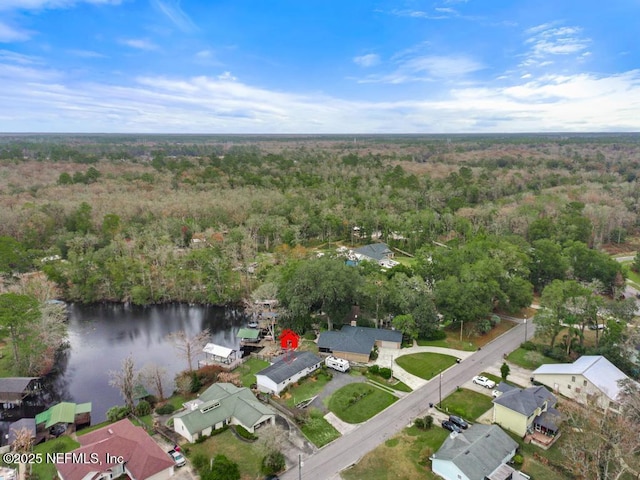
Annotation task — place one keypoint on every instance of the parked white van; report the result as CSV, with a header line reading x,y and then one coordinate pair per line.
x,y
336,363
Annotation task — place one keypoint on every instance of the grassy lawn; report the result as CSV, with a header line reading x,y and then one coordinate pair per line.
x,y
358,402
403,457
393,383
535,467
466,403
248,370
529,359
246,455
425,364
306,388
47,471
318,430
470,340
177,401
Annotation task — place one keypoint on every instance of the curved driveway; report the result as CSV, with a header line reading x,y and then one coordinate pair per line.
x,y
348,449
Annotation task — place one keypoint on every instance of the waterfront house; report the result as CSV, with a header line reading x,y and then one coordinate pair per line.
x,y
285,370
219,405
119,449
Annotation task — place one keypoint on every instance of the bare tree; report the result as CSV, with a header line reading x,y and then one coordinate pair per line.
x,y
22,443
189,347
124,380
601,445
154,375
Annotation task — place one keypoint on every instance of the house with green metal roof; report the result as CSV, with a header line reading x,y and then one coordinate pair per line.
x,y
219,405
65,413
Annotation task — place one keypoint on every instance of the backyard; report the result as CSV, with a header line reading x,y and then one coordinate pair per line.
x,y
247,455
248,370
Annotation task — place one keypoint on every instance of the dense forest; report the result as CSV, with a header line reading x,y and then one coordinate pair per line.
x,y
479,223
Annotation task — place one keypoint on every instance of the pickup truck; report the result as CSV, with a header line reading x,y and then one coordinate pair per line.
x,y
178,458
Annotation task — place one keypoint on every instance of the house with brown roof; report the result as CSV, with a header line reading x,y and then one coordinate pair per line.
x,y
117,449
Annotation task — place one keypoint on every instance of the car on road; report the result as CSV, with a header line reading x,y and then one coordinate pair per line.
x,y
178,458
452,427
597,326
484,381
458,421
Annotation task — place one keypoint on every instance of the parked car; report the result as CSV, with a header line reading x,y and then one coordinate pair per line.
x,y
459,422
496,393
178,458
452,427
484,382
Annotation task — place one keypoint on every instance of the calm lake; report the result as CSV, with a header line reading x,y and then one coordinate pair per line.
x,y
101,336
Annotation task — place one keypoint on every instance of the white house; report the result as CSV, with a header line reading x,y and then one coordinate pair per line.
x,y
287,369
589,378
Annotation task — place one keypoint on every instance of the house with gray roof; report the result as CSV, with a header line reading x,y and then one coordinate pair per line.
x,y
356,343
379,253
481,452
285,370
219,405
528,410
590,379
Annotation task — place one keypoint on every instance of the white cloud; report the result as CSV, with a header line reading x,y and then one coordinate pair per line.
x,y
173,11
40,99
139,43
85,53
549,40
369,60
50,4
227,77
411,67
9,34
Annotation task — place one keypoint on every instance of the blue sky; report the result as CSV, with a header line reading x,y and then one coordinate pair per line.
x,y
319,66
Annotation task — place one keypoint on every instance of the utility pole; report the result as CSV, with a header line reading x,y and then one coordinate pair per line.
x,y
440,389
299,466
461,325
525,329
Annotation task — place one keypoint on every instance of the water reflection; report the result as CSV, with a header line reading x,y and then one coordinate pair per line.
x,y
101,336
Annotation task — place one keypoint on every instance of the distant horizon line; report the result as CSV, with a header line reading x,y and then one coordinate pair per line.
x,y
558,133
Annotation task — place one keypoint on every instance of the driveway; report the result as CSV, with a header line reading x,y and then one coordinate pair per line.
x,y
387,358
348,449
338,381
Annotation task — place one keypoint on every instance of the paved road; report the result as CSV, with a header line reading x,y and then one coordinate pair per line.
x,y
348,449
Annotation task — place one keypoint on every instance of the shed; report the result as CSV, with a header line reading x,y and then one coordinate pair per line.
x,y
219,354
65,412
15,389
249,334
